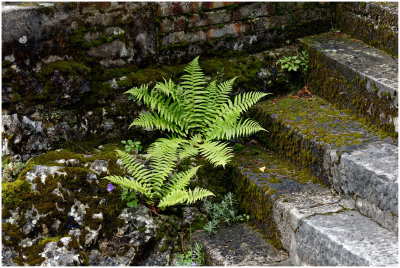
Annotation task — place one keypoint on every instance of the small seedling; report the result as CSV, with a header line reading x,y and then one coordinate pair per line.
x,y
131,146
130,198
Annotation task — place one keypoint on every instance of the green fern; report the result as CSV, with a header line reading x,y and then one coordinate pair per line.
x,y
155,183
198,113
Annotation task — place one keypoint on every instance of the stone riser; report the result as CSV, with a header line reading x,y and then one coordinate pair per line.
x,y
353,76
374,23
315,226
364,169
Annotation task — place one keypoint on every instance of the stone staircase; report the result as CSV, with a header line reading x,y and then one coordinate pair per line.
x,y
325,188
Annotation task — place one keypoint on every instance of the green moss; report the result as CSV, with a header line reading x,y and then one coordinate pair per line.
x,y
70,67
49,239
358,99
13,193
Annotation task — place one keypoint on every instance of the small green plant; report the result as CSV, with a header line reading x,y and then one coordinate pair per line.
x,y
224,212
130,198
294,63
194,257
198,117
201,115
11,170
210,227
159,184
131,146
54,116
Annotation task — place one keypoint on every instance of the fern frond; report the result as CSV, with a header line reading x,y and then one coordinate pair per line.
x,y
175,197
163,154
182,196
150,121
180,180
130,184
218,153
225,130
136,169
197,194
240,104
139,93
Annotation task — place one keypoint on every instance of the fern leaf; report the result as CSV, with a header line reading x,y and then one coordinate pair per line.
x,y
197,194
163,154
137,170
182,196
153,121
175,197
241,104
226,130
218,153
180,180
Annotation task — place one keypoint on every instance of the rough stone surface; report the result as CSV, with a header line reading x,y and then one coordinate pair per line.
x,y
291,207
57,254
355,59
370,172
239,245
363,167
346,238
367,77
374,22
298,206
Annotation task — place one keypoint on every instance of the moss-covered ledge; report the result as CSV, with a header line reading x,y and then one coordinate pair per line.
x,y
303,130
350,74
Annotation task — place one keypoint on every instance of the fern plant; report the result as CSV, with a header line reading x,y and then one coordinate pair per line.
x,y
198,115
160,186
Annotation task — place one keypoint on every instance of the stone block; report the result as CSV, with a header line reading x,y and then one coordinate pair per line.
x,y
114,49
228,29
346,238
176,8
181,37
210,18
370,172
250,11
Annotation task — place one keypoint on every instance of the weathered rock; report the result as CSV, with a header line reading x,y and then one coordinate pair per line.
x,y
239,245
315,225
96,228
111,50
58,254
350,238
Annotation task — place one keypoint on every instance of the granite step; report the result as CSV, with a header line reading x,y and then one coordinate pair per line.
x,y
337,147
239,245
354,76
313,223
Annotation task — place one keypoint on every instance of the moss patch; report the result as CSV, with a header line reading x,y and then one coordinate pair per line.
x,y
18,195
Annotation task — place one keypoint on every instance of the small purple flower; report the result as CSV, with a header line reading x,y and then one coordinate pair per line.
x,y
194,264
110,187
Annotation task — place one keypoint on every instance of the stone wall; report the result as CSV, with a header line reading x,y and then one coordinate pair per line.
x,y
376,23
65,66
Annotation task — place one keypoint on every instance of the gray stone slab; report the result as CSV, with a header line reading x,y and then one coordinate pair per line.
x,y
354,59
346,238
239,245
363,167
370,172
316,225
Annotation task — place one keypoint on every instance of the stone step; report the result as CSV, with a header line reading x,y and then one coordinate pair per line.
x,y
374,22
338,148
315,225
354,76
239,245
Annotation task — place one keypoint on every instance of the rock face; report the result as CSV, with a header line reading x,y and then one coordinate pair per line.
x,y
59,213
240,245
66,66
